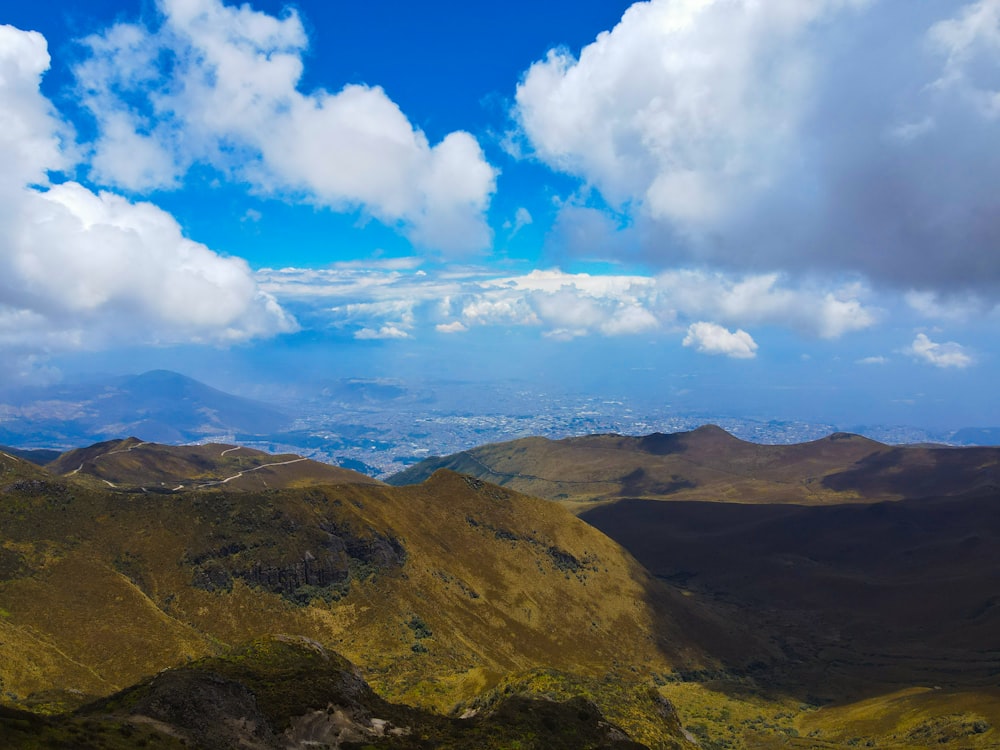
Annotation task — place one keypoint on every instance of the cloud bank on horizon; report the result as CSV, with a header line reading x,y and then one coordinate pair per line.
x,y
825,168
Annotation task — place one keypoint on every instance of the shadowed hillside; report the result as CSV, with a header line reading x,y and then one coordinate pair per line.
x,y
859,597
872,571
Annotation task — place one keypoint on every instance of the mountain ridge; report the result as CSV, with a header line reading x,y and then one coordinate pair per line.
x,y
139,465
158,405
709,464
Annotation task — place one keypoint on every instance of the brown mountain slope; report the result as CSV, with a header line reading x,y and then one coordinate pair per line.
x,y
709,464
705,464
37,456
134,464
14,469
894,604
437,591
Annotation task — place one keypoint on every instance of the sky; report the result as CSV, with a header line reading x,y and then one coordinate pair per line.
x,y
785,209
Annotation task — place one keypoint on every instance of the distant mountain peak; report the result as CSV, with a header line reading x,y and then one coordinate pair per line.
x,y
662,444
162,375
710,429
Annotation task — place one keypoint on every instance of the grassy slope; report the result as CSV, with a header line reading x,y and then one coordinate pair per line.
x,y
723,715
99,587
14,469
132,464
478,619
38,456
706,464
710,465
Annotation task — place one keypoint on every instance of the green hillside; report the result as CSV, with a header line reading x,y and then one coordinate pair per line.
x,y
437,592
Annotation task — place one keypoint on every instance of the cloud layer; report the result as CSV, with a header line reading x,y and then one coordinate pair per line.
x,y
228,97
397,300
803,135
825,167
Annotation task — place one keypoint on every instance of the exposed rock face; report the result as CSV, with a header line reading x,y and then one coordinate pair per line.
x,y
206,709
325,573
309,571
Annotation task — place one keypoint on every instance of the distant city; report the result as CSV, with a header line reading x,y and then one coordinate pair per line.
x,y
381,436
378,426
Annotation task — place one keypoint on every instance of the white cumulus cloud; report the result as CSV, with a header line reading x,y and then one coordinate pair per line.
x,y
568,305
804,135
767,299
32,137
231,99
710,338
81,269
949,354
683,105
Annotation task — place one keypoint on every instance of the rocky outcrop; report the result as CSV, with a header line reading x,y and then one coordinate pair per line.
x,y
323,572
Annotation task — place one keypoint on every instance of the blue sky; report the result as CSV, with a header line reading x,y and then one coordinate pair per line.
x,y
784,209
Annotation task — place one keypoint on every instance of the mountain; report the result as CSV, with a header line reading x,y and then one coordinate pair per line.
x,y
821,624
14,469
159,405
976,436
137,465
438,592
710,465
39,456
838,545
705,464
872,570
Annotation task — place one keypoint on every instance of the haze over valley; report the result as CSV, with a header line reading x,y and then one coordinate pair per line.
x,y
379,426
